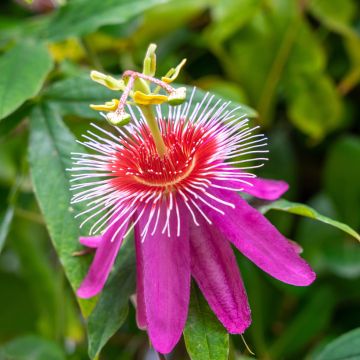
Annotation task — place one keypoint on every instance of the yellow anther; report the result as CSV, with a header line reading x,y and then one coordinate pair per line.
x,y
107,81
148,99
108,106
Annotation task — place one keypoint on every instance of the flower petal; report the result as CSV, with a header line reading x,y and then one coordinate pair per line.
x,y
103,261
166,278
215,270
140,301
258,239
261,188
266,189
90,241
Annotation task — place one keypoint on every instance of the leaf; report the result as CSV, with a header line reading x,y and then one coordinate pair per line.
x,y
49,154
335,14
332,251
81,17
342,177
307,323
205,338
315,106
307,211
23,70
74,95
242,111
224,22
345,347
31,348
112,307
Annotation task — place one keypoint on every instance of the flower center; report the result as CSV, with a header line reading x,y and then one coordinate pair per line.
x,y
189,149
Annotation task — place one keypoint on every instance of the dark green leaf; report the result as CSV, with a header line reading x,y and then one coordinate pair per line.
x,y
50,146
23,70
82,17
345,347
74,95
307,211
242,111
112,307
205,338
303,327
31,348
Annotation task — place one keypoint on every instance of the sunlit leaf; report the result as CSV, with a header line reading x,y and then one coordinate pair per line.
x,y
307,211
23,70
205,338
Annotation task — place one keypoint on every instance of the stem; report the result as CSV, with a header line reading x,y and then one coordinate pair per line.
x,y
155,131
161,356
267,95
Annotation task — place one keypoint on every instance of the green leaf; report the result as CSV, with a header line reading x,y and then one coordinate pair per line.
x,y
342,177
332,251
112,308
50,146
335,14
345,347
31,348
242,111
82,17
224,22
74,95
23,70
205,338
307,211
303,327
315,106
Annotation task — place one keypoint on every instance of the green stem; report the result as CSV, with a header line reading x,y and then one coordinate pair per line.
x,y
155,131
267,95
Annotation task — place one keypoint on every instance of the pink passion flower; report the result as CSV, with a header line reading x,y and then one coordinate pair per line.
x,y
186,211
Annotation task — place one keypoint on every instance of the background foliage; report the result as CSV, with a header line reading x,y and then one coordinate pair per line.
x,y
296,62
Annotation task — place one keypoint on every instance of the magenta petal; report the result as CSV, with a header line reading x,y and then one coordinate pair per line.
x,y
266,189
259,240
90,241
261,188
140,300
215,270
166,278
103,261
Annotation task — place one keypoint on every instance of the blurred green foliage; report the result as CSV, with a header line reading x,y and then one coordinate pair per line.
x,y
296,62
